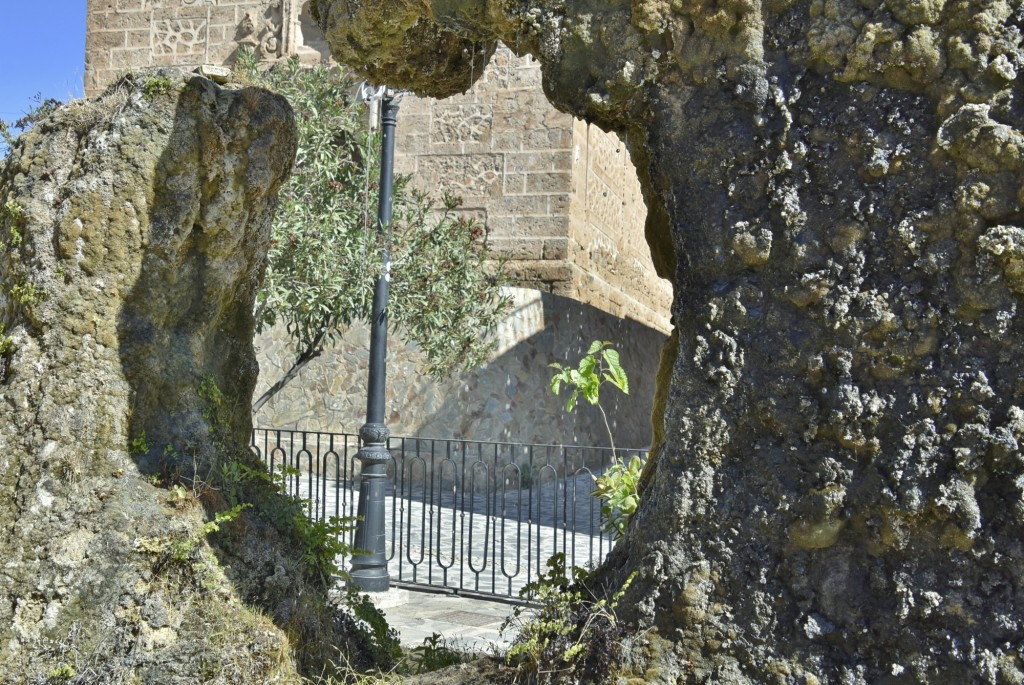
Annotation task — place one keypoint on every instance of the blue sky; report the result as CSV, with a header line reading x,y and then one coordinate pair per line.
x,y
42,50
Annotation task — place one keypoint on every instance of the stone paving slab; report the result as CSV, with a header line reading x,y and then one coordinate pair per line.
x,y
465,623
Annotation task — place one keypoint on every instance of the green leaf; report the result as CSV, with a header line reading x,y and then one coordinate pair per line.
x,y
595,346
587,365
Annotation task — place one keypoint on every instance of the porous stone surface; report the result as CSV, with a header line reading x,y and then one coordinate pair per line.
x,y
839,494
135,228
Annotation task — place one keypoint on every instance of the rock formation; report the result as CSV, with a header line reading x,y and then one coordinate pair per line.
x,y
836,189
135,229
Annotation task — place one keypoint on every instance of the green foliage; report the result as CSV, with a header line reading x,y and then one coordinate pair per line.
x,y
568,632
140,445
27,294
36,113
14,216
215,407
380,638
322,542
618,489
61,674
6,343
598,366
618,486
157,85
182,550
325,253
434,654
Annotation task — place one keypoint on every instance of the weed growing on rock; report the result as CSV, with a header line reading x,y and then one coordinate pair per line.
x,y
157,85
570,632
6,343
140,445
27,294
434,654
13,216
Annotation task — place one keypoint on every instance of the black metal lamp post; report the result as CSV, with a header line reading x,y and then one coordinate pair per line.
x,y
369,566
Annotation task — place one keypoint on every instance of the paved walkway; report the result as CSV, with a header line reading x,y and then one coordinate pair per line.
x,y
465,623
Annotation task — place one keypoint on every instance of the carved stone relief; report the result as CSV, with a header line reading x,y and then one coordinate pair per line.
x,y
163,4
459,123
260,29
185,36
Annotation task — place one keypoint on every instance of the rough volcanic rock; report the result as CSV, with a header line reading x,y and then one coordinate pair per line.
x,y
839,496
135,229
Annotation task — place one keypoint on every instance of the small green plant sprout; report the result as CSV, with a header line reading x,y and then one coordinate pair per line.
x,y
617,486
140,445
434,654
177,496
598,366
61,674
12,213
6,342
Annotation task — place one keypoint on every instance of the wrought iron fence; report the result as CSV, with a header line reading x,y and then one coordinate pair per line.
x,y
467,516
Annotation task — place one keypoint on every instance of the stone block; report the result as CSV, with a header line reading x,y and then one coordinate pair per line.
x,y
514,184
528,226
555,248
547,182
117,22
517,248
229,15
127,58
506,141
520,205
559,204
106,40
533,161
468,175
461,123
137,38
546,139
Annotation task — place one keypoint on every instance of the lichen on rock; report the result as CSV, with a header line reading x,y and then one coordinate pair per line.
x,y
135,230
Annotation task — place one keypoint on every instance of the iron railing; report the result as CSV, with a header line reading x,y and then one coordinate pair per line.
x,y
462,515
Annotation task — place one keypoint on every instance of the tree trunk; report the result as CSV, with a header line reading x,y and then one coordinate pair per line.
x,y
839,495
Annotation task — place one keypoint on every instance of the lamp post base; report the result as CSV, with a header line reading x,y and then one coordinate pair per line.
x,y
370,579
369,569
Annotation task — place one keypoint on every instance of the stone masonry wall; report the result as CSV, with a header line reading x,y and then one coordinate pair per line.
x,y
506,400
122,35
